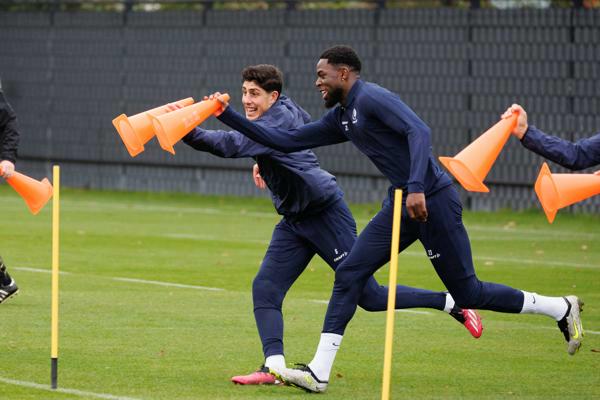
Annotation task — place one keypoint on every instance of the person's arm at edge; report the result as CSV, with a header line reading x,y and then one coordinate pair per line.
x,y
582,154
319,133
8,126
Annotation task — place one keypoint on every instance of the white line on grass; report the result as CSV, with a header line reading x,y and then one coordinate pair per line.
x,y
75,392
159,283
585,331
414,312
533,233
535,262
211,238
100,207
46,271
132,280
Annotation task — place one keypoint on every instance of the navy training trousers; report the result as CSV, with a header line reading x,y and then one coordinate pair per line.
x,y
447,245
331,235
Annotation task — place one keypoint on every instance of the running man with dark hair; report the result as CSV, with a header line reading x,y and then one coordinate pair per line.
x,y
316,219
398,142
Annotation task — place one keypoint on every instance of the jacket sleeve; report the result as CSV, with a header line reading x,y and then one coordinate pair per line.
x,y
9,134
398,117
226,144
584,153
319,133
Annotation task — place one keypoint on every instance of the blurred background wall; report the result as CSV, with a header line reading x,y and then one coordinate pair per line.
x,y
68,70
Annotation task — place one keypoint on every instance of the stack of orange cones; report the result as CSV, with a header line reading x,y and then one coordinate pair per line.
x,y
172,127
137,130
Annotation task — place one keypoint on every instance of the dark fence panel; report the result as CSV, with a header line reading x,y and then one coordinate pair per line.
x,y
68,74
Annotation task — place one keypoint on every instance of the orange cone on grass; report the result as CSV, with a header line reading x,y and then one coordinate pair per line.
x,y
137,130
170,128
472,164
556,191
35,193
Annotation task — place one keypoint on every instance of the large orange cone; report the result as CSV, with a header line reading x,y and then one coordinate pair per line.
x,y
170,128
35,193
136,131
472,164
556,191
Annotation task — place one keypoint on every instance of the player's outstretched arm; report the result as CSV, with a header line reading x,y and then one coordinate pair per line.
x,y
226,144
319,133
582,154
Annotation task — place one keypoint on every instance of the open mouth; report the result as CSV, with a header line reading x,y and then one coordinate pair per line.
x,y
250,110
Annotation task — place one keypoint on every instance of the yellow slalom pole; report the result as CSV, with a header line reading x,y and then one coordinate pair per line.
x,y
391,308
55,247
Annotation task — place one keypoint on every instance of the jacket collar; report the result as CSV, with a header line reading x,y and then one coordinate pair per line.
x,y
353,91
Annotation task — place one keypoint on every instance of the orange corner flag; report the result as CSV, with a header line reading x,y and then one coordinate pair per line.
x,y
472,164
170,128
137,130
556,191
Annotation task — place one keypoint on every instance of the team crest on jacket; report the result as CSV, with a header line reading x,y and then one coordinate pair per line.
x,y
354,118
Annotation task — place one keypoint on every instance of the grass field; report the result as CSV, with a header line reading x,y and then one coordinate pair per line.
x,y
138,319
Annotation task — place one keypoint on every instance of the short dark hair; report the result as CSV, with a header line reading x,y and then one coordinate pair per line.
x,y
267,76
338,55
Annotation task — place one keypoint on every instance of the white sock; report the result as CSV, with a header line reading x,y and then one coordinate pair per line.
x,y
277,362
449,303
533,303
322,363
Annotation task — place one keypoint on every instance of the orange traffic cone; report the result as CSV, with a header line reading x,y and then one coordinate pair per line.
x,y
170,128
472,164
35,193
137,130
556,191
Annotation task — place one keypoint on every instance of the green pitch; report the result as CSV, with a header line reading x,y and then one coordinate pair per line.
x,y
141,316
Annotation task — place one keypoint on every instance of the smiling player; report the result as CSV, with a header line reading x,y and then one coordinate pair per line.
x,y
316,219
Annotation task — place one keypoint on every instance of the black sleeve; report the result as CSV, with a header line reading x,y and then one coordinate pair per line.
x,y
9,134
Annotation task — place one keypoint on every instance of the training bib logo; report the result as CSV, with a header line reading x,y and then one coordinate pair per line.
x,y
339,256
432,256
